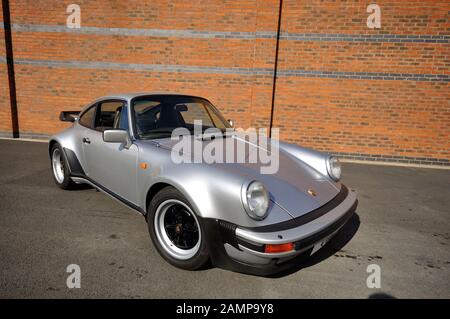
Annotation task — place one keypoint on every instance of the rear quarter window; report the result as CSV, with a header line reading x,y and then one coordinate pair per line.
x,y
87,118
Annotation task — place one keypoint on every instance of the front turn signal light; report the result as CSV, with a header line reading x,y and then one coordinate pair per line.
x,y
279,248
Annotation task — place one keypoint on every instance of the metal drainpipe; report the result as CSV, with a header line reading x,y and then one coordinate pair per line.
x,y
10,65
275,68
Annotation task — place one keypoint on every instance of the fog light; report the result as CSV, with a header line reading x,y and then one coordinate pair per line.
x,y
278,248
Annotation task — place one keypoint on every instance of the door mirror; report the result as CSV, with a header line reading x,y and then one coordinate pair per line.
x,y
231,122
117,136
68,116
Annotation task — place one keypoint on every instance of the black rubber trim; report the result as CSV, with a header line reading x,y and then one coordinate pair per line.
x,y
228,233
74,163
306,242
249,245
306,218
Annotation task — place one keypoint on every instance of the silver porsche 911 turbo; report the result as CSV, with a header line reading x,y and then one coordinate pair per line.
x,y
227,213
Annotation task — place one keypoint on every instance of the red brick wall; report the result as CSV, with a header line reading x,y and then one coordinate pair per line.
x,y
63,88
365,116
326,97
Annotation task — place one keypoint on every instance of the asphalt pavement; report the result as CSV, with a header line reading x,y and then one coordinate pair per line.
x,y
402,224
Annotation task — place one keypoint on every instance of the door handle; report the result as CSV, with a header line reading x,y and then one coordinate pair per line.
x,y
86,140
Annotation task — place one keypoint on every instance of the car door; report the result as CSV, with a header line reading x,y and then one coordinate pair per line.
x,y
110,164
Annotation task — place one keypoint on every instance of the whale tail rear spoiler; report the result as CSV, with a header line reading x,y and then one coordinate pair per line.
x,y
68,116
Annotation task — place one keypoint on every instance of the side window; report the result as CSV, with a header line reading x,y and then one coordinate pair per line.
x,y
87,118
108,115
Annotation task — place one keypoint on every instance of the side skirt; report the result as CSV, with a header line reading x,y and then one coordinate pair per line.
x,y
127,203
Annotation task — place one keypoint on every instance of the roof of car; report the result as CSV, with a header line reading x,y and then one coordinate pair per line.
x,y
130,96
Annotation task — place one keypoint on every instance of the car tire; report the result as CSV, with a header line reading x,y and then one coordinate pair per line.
x,y
176,230
60,168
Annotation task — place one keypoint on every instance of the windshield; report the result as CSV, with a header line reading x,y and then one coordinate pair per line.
x,y
156,116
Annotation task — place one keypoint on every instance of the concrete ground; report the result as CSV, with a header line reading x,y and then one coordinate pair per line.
x,y
402,224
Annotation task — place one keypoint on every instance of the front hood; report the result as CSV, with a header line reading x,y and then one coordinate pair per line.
x,y
288,185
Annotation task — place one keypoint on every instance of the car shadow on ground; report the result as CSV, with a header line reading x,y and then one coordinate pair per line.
x,y
338,242
81,187
381,295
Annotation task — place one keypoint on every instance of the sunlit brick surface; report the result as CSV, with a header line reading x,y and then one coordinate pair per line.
x,y
342,87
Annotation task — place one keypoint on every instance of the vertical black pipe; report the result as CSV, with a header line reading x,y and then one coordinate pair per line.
x,y
10,64
275,68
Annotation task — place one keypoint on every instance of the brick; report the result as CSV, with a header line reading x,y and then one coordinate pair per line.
x,y
371,94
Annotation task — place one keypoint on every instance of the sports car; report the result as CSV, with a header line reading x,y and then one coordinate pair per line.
x,y
228,214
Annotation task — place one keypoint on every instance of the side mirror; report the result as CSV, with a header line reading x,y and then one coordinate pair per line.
x,y
68,116
231,122
117,136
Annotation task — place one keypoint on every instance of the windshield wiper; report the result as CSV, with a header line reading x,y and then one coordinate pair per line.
x,y
204,136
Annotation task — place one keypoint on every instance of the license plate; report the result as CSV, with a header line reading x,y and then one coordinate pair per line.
x,y
320,244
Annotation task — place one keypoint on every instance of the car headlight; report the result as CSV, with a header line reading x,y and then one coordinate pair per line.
x,y
256,200
334,168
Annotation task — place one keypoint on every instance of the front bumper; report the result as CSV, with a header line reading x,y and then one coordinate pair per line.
x,y
243,249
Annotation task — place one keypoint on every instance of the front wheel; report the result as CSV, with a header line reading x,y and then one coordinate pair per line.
x,y
176,230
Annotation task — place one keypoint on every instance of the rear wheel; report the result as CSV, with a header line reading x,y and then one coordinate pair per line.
x,y
60,168
176,230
